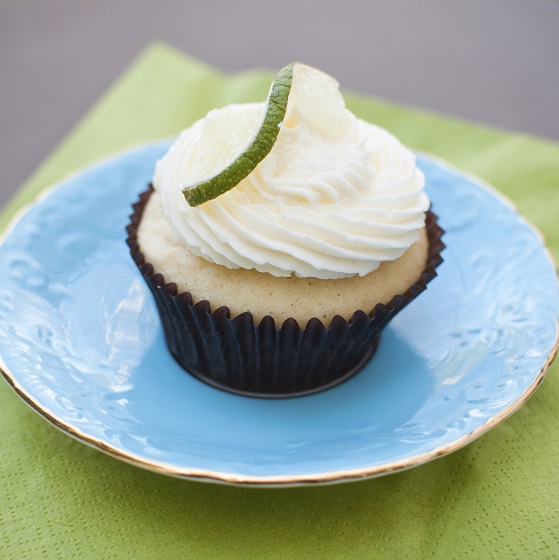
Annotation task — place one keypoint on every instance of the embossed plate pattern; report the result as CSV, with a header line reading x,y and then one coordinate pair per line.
x,y
81,342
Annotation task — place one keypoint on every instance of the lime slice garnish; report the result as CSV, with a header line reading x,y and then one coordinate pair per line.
x,y
229,175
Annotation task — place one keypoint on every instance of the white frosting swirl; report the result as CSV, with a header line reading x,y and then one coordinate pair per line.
x,y
334,198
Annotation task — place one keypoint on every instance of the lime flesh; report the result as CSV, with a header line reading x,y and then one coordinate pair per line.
x,y
256,150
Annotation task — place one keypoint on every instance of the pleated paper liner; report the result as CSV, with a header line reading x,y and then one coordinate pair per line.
x,y
265,360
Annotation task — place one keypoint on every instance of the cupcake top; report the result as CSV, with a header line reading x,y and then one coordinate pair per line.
x,y
335,197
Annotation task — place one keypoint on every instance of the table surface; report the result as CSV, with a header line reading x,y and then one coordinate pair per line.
x,y
491,61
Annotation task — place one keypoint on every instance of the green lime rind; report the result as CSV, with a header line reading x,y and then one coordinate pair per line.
x,y
254,153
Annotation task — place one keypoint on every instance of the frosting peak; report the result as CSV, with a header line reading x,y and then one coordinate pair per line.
x,y
334,198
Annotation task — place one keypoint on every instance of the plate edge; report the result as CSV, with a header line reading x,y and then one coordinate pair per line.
x,y
281,480
278,480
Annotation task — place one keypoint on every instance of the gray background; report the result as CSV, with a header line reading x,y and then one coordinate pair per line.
x,y
494,61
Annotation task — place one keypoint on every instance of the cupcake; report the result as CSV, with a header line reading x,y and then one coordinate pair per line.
x,y
281,285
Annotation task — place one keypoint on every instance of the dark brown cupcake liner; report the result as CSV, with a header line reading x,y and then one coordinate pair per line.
x,y
264,360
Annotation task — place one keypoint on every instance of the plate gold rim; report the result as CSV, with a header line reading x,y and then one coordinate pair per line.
x,y
281,480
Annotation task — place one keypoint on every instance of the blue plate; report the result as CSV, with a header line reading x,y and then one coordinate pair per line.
x,y
81,342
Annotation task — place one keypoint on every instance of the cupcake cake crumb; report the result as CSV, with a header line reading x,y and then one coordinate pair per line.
x,y
263,294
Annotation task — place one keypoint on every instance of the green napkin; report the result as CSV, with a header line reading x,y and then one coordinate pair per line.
x,y
496,498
